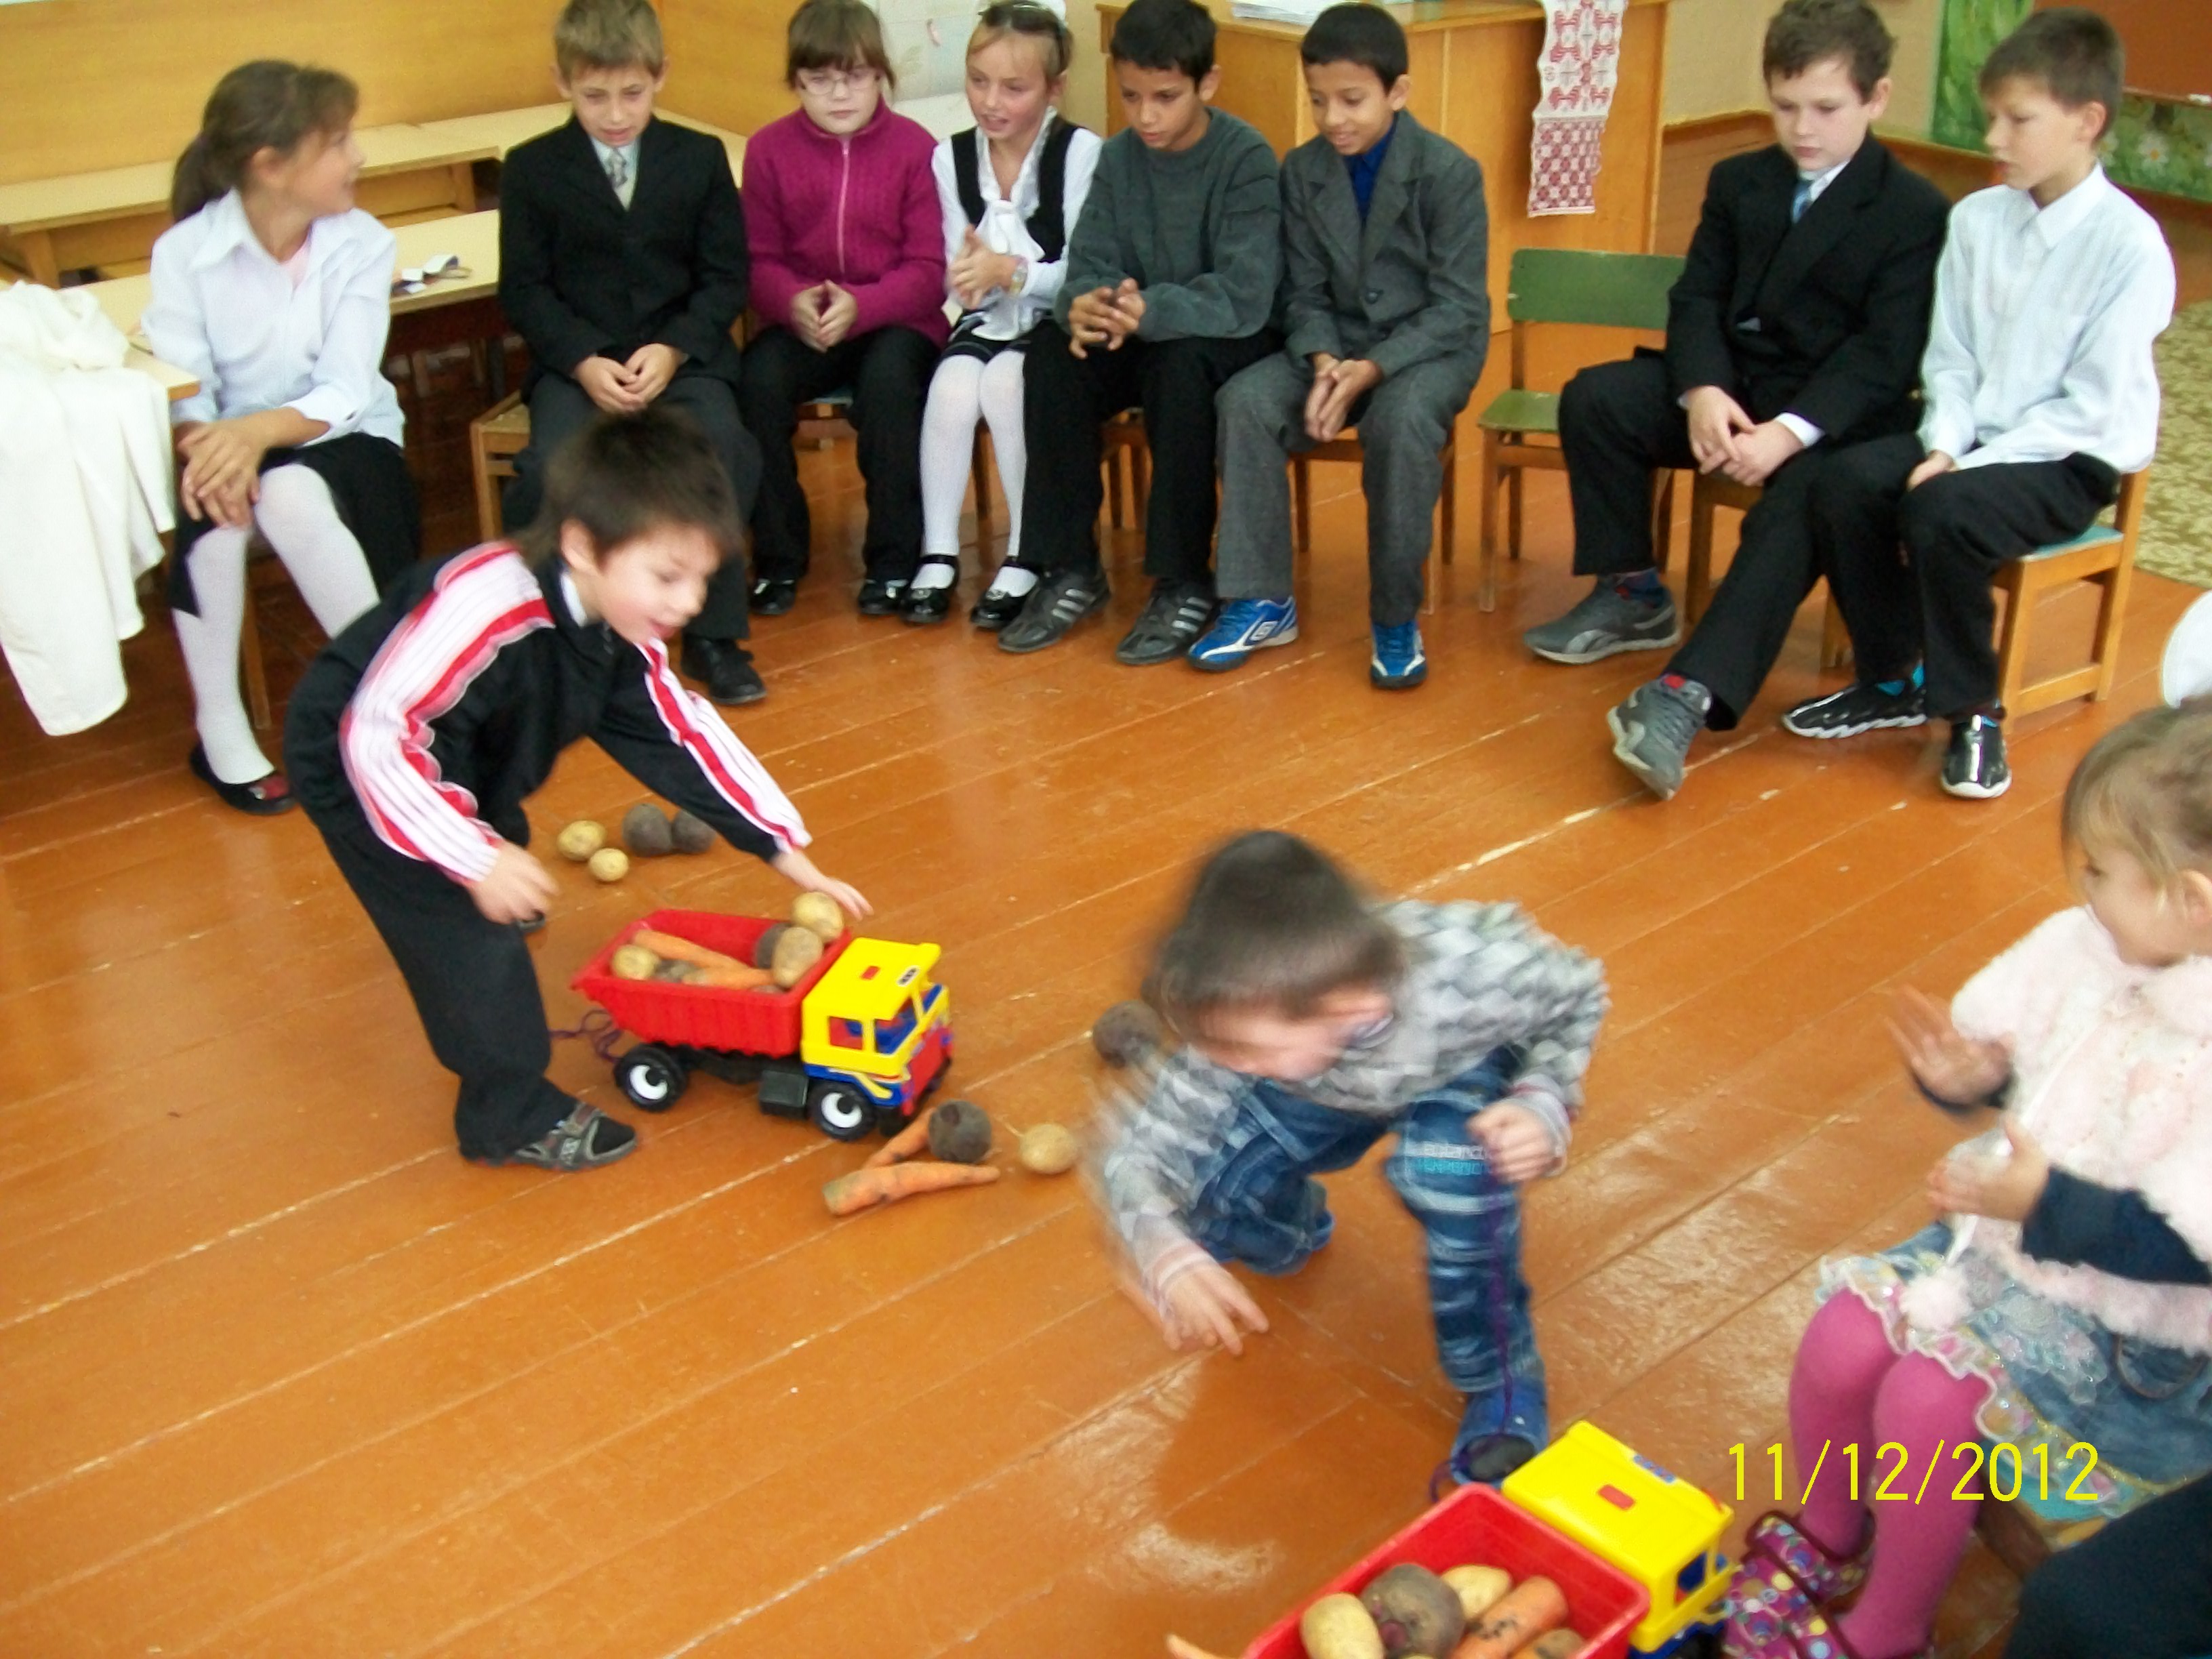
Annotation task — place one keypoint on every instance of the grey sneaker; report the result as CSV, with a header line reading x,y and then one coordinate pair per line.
x,y
1177,614
1652,732
1609,619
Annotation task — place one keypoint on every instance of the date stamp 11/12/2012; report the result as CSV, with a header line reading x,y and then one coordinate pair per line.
x,y
1972,1470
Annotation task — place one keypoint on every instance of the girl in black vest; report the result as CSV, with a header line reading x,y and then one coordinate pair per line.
x,y
1011,186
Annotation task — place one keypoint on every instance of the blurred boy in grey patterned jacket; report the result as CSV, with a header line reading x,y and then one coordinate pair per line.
x,y
1313,1023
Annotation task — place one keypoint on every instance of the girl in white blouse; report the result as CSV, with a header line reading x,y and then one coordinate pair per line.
x,y
274,291
1010,187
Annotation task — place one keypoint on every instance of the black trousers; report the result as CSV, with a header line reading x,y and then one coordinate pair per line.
x,y
1064,398
888,371
1618,423
474,986
1932,601
559,408
2140,1587
1733,649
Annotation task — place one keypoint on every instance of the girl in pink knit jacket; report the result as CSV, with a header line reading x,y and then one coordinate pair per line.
x,y
848,252
2058,1317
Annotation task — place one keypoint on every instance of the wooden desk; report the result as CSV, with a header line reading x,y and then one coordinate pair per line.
x,y
112,217
504,129
1474,69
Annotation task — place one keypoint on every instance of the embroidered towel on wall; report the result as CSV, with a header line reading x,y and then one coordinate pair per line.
x,y
1575,79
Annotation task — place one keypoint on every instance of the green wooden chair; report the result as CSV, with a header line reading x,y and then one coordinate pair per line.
x,y
1521,428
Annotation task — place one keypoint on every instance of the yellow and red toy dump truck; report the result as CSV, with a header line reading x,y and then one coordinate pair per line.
x,y
856,1044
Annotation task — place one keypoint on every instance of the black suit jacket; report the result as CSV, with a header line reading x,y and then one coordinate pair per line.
x,y
580,277
1824,320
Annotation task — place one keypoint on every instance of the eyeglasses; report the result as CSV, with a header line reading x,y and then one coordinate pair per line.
x,y
823,84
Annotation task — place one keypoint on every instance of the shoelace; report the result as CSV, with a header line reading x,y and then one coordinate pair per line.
x,y
1666,714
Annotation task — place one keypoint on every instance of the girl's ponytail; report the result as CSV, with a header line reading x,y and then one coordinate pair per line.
x,y
265,105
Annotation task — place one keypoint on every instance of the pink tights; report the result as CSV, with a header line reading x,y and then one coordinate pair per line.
x,y
1848,1388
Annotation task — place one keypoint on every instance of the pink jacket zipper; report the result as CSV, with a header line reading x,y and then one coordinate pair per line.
x,y
844,177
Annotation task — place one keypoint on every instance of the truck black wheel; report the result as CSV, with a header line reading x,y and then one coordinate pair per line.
x,y
841,1111
651,1078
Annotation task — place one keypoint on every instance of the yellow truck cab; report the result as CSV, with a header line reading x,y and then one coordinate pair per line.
x,y
873,1035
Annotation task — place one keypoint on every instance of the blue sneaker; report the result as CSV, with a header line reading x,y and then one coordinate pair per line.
x,y
1245,626
1397,663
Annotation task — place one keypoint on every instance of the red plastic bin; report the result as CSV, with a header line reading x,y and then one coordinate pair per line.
x,y
1475,1524
702,1016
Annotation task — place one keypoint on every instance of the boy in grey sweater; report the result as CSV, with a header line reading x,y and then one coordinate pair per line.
x,y
1170,289
1386,245
1315,1022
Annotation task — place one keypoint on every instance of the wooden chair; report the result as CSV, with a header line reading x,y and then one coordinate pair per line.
x,y
1126,445
1713,490
1345,447
496,438
1561,285
2103,554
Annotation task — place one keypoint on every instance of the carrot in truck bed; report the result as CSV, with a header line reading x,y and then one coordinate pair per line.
x,y
865,1189
673,949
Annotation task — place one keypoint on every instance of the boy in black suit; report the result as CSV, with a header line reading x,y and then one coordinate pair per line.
x,y
1796,329
622,266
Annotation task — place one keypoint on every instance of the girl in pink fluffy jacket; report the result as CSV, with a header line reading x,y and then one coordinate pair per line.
x,y
2063,1305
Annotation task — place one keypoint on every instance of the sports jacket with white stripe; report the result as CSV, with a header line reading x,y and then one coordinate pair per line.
x,y
436,714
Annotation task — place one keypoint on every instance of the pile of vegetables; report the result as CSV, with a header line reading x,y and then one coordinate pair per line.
x,y
958,1134
783,955
1407,1612
646,832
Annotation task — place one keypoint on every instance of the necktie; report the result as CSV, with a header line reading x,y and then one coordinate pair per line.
x,y
1797,202
618,174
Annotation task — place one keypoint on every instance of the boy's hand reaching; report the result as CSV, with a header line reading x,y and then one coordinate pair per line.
x,y
516,888
797,868
1518,1145
1206,1308
1714,419
2004,1189
1949,1065
608,384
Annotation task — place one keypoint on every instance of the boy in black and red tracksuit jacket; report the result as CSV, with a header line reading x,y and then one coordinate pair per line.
x,y
415,738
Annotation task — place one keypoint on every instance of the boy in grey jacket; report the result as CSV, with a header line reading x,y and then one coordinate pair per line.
x,y
1170,290
1313,1023
1386,247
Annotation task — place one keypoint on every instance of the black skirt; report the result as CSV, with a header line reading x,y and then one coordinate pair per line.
x,y
375,494
967,342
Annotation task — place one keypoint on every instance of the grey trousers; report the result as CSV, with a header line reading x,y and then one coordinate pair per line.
x,y
1403,425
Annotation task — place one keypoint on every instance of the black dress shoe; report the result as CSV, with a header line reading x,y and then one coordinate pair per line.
x,y
996,609
773,596
924,605
728,672
881,598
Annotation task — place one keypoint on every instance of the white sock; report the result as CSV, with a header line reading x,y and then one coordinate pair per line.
x,y
1013,581
948,451
934,573
301,525
210,642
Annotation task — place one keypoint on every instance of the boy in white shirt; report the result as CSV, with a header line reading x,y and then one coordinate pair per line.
x,y
2040,392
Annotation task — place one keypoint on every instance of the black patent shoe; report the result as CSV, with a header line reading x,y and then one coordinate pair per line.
x,y
924,605
266,796
996,609
882,599
725,669
773,596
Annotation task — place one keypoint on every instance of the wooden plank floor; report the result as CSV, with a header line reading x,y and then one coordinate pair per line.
x,y
283,1376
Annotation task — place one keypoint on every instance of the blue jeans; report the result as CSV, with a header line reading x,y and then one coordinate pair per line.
x,y
1259,1203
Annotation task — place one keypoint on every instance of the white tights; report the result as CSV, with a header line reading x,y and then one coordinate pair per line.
x,y
963,389
300,522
